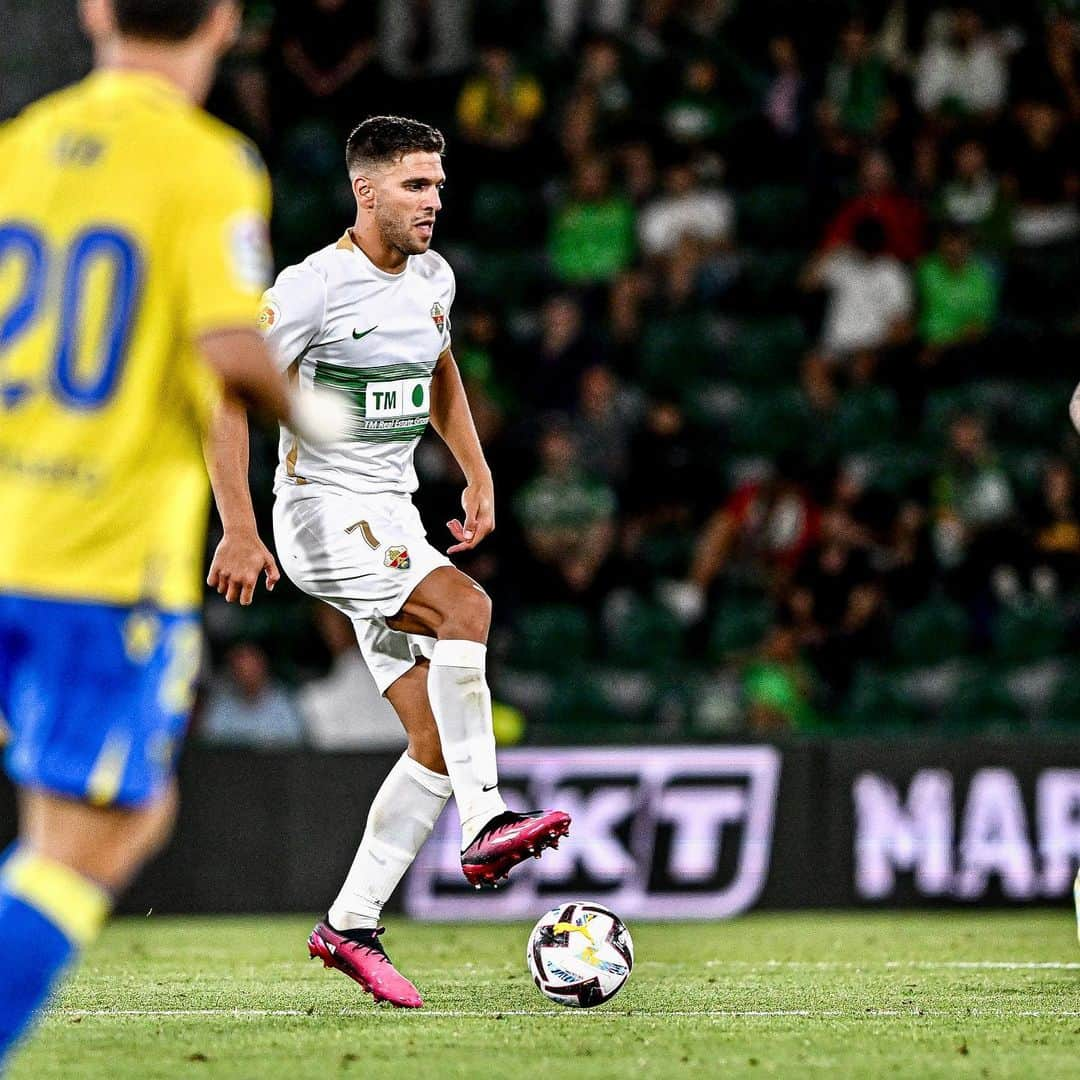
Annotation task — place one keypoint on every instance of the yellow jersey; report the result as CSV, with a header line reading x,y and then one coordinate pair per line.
x,y
131,222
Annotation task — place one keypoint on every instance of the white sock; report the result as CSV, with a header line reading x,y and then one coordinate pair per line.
x,y
402,815
461,702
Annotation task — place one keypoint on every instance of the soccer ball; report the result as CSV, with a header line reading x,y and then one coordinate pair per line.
x,y
580,954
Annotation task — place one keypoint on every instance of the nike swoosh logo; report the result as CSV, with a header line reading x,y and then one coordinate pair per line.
x,y
489,787
357,337
509,835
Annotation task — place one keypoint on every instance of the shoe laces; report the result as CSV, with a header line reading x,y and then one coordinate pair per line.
x,y
368,939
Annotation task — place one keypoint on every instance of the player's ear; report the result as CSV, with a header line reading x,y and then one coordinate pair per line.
x,y
364,192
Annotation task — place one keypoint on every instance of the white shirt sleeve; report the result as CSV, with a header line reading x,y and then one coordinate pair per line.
x,y
293,313
446,315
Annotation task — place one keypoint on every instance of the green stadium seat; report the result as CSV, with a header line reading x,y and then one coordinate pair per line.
x,y
580,712
1027,633
498,213
876,703
551,638
769,278
932,633
864,417
1063,710
982,703
895,468
770,422
772,215
676,353
738,626
1024,466
1038,414
645,636
767,350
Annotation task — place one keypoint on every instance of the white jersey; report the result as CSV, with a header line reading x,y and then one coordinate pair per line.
x,y
339,321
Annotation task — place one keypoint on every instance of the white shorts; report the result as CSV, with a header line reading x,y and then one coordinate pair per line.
x,y
364,554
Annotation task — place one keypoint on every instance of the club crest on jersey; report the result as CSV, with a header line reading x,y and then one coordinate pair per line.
x,y
268,316
397,558
438,316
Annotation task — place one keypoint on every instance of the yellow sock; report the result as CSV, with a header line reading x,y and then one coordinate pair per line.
x,y
75,904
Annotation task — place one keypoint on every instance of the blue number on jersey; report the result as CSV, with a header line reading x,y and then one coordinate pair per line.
x,y
94,245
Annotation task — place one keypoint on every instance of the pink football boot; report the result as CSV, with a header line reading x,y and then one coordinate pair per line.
x,y
360,955
508,839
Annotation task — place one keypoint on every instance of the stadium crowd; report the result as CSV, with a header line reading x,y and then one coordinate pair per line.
x,y
765,311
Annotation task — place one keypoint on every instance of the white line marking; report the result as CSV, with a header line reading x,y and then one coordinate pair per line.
x,y
892,965
717,1014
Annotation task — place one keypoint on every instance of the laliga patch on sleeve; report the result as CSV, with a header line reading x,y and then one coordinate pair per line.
x,y
269,314
248,246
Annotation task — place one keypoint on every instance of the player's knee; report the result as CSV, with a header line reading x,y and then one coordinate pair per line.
x,y
153,827
470,615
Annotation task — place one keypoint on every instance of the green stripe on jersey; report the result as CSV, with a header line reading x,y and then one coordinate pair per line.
x,y
390,403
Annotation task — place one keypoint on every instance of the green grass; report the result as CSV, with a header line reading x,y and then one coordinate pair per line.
x,y
853,995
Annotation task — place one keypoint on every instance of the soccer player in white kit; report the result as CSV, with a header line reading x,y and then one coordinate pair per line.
x,y
369,316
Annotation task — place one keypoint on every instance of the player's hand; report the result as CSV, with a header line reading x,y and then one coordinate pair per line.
x,y
478,502
238,561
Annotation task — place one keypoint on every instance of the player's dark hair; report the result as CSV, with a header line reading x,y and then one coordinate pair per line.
x,y
381,140
161,20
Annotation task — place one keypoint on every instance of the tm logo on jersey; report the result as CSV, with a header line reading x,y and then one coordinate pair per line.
x,y
390,402
397,558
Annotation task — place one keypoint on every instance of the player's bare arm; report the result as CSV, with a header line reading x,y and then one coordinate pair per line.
x,y
452,418
241,557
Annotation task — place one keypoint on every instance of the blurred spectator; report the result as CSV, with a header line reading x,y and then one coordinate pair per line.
x,y
324,53
605,90
869,308
958,296
566,18
592,231
568,520
857,101
638,167
778,685
497,111
697,115
1042,177
685,210
905,558
777,132
248,707
837,605
1054,521
957,306
878,197
973,198
603,421
962,70
973,508
479,350
668,486
421,39
1048,67
344,710
759,533
556,361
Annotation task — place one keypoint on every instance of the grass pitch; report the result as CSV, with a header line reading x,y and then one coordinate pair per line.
x,y
853,995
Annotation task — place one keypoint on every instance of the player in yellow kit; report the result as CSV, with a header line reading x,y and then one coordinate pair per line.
x,y
133,254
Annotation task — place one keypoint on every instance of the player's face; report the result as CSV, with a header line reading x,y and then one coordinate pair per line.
x,y
407,200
